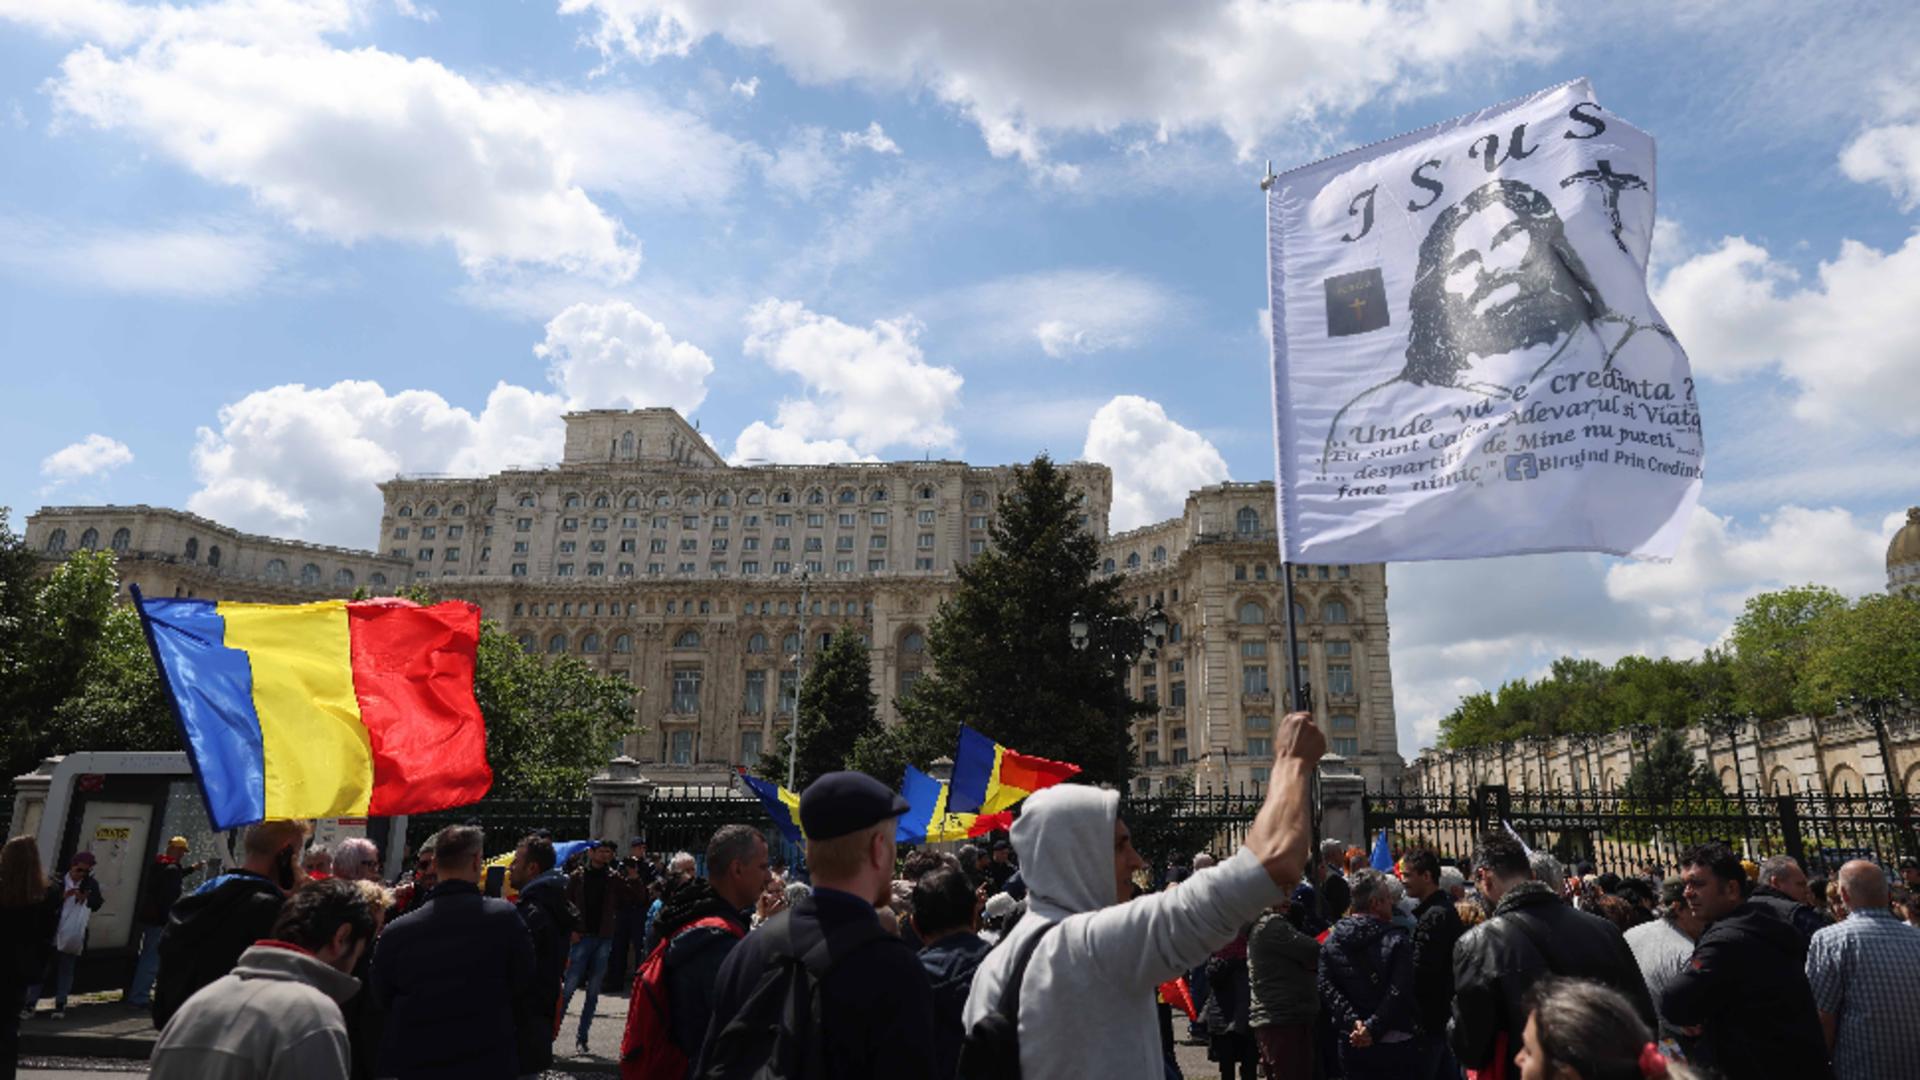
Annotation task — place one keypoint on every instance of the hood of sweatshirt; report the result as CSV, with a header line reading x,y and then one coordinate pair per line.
x,y
270,960
1064,839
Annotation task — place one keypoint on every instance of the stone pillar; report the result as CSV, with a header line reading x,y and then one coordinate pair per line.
x,y
1342,815
30,799
617,796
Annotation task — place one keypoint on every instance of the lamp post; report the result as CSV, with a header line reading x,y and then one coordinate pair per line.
x,y
1728,726
1873,708
799,677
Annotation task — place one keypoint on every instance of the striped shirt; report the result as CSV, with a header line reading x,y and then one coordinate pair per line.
x,y
1862,972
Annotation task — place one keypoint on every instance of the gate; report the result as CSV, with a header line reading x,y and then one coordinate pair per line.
x,y
1178,825
1626,835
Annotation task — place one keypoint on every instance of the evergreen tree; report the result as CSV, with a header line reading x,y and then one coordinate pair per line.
x,y
837,710
1002,659
1667,770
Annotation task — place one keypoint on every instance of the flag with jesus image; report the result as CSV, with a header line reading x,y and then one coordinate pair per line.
x,y
1466,360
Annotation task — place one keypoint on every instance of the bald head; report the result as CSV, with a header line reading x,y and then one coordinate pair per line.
x,y
1863,885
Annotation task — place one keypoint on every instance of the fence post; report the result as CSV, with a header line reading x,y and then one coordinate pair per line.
x,y
1903,818
1790,827
617,795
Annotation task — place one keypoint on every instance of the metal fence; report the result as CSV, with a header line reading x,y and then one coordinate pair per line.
x,y
683,819
1177,825
1624,835
507,820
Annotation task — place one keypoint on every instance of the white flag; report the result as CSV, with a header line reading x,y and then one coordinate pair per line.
x,y
1466,361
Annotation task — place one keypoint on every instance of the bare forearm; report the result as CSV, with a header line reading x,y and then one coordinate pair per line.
x,y
1282,833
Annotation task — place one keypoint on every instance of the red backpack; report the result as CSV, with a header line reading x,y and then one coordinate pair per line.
x,y
647,1051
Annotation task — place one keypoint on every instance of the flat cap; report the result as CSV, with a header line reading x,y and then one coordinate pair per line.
x,y
846,802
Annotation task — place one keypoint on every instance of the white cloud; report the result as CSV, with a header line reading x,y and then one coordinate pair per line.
x,y
350,144
1066,312
866,388
188,260
1026,72
1465,626
874,139
804,164
763,442
411,10
610,355
1155,460
1888,155
1848,343
92,456
746,88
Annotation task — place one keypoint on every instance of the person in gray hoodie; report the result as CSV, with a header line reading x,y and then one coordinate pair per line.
x,y
1086,1007
277,1014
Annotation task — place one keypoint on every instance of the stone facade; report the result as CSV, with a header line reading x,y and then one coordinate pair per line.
x,y
1826,755
172,553
646,555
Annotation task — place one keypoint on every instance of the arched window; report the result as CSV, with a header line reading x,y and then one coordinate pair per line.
x,y
122,539
572,501
723,498
757,643
1133,560
1107,566
432,511
376,578
879,495
977,499
213,555
1299,613
459,510
90,539
601,502
913,642
848,495
1251,613
623,643
1247,521
754,498
343,577
626,446
193,549
790,644
407,511
528,644
1160,554
631,502
590,642
926,493
688,639
309,574
783,497
1333,611
525,500
691,497
557,644
276,569
57,541
816,497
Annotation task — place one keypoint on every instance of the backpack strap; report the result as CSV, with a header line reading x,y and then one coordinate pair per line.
x,y
1010,994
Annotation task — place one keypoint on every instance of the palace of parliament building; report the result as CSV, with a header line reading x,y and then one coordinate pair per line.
x,y
646,555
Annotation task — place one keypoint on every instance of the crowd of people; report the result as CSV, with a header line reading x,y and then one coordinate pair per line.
x,y
1053,952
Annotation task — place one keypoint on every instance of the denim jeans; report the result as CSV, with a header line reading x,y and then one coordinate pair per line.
x,y
586,966
61,968
140,990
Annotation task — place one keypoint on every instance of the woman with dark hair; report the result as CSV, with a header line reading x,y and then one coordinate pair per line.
x,y
29,915
1581,1030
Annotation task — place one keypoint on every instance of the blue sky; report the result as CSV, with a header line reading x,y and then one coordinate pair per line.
x,y
255,256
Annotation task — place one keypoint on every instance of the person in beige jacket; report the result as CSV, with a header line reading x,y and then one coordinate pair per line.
x,y
277,1016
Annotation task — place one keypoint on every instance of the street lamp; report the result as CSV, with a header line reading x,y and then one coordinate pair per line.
x,y
1077,632
1728,727
1874,710
799,677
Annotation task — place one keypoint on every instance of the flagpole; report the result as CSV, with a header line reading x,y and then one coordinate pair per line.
x,y
1298,693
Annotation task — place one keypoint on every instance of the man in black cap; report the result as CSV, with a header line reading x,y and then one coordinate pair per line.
x,y
875,1003
1001,868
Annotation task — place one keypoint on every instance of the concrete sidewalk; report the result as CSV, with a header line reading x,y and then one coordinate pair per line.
x,y
102,1025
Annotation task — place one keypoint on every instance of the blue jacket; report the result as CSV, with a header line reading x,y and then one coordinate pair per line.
x,y
1366,975
453,976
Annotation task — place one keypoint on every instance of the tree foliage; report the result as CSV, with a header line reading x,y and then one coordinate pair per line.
x,y
1791,651
837,710
1666,770
550,725
1002,659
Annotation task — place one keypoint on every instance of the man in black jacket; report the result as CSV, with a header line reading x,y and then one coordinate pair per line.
x,y
737,872
207,932
1532,934
451,975
1366,986
550,919
1437,929
1783,894
1746,989
944,914
165,879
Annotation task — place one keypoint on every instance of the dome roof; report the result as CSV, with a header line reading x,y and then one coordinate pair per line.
x,y
1905,548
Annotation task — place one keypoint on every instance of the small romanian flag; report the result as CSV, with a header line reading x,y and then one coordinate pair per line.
x,y
931,819
989,778
331,709
783,806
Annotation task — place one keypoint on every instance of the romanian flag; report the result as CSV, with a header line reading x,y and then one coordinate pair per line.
x,y
989,778
332,709
782,805
932,820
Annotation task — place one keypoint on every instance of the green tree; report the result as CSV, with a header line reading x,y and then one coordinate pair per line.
x,y
1666,770
837,706
1002,659
550,726
1870,649
1771,641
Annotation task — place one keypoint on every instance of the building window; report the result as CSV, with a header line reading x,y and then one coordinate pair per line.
x,y
523,525
923,564
757,644
1259,747
1343,571
343,578
1150,694
750,566
1346,747
557,644
1340,679
1254,679
978,498
680,747
590,643
565,569
1343,722
1133,560
843,543
754,701
623,643
518,569
569,524
875,566
925,543
877,518
816,521
57,543
451,554
686,690
568,547
749,748
1339,648
1252,614
122,539
213,555
1177,695
1260,572
1333,611
625,569
913,642
1107,566
276,568
596,569
1179,755
1247,521
789,691
1253,650
1259,722
428,532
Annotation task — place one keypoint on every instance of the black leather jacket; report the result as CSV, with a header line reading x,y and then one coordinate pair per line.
x,y
1533,933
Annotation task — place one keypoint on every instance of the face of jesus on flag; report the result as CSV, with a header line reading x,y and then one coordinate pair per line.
x,y
1466,358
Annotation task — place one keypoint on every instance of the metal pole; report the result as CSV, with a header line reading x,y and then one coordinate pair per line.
x,y
799,677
